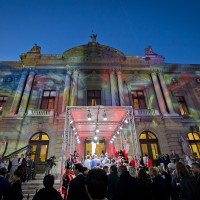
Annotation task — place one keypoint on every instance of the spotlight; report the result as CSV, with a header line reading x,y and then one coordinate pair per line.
x,y
104,116
98,142
75,133
74,129
118,132
89,116
111,141
71,122
114,136
97,130
92,142
78,142
120,127
95,138
125,121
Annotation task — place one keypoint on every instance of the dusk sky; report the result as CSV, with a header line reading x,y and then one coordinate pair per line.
x,y
171,27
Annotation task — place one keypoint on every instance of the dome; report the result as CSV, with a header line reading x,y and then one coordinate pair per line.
x,y
93,49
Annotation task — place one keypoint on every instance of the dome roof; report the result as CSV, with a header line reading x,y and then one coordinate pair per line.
x,y
93,49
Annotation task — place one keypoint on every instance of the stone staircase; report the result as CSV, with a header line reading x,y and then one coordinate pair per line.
x,y
35,185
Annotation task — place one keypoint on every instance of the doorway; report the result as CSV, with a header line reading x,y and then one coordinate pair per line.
x,y
92,146
40,145
149,146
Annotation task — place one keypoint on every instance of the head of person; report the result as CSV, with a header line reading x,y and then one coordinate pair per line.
x,y
3,172
153,172
142,175
95,156
121,169
173,152
105,169
146,155
96,184
195,169
132,171
171,167
78,169
48,181
22,155
113,161
27,158
181,170
108,161
85,171
0,157
88,157
16,176
98,164
53,158
16,156
113,169
160,169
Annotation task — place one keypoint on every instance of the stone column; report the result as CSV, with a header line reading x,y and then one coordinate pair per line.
x,y
66,92
18,94
158,92
26,94
166,94
74,89
114,89
121,88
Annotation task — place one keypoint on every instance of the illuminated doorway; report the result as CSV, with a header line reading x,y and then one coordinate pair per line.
x,y
40,144
92,146
149,146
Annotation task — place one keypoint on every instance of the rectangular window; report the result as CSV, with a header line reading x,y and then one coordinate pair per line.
x,y
138,99
3,100
182,105
93,97
48,99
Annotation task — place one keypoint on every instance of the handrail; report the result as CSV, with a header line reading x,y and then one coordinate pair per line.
x,y
16,152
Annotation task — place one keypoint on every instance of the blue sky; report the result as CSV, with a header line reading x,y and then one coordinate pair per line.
x,y
171,27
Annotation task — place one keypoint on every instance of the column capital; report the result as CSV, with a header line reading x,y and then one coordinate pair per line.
x,y
115,69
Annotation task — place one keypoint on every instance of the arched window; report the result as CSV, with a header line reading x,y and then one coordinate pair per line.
x,y
40,144
149,145
194,142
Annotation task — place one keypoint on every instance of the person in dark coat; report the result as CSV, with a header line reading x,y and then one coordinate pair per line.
x,y
196,172
48,192
112,182
159,189
127,186
77,186
22,167
189,189
145,185
174,157
3,182
96,184
14,191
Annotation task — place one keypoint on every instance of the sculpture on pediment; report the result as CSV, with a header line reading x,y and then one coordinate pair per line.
x,y
93,37
35,49
174,81
149,51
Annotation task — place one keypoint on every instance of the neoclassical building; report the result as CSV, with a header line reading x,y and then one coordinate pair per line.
x,y
35,91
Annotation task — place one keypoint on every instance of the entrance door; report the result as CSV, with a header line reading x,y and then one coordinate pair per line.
x,y
149,146
40,144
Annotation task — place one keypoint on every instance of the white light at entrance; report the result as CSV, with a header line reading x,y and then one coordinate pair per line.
x,y
95,138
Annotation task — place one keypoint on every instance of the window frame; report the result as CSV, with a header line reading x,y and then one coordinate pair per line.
x,y
3,103
184,102
139,98
94,97
194,142
48,98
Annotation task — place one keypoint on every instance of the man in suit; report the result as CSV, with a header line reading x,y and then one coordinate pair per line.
x,y
77,185
22,167
95,161
3,182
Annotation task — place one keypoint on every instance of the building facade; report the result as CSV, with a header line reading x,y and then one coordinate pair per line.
x,y
35,91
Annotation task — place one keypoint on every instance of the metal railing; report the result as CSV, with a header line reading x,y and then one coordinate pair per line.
x,y
146,112
16,152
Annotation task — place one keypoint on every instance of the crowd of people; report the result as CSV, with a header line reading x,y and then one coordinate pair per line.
x,y
113,178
